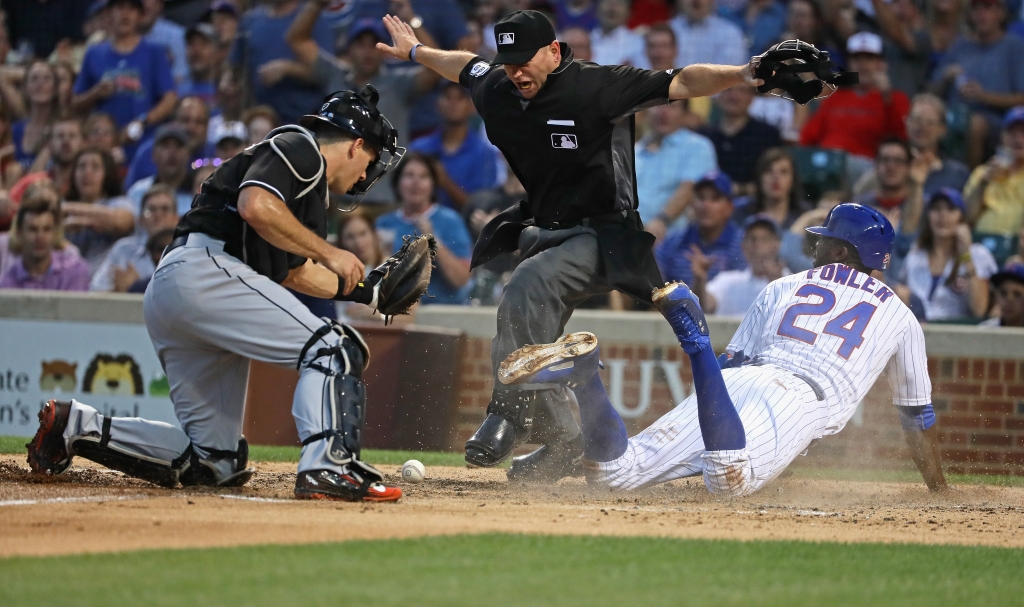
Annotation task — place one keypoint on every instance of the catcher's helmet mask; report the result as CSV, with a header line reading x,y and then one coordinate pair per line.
x,y
800,70
357,113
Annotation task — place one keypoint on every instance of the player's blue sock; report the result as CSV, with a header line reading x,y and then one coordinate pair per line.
x,y
604,434
720,424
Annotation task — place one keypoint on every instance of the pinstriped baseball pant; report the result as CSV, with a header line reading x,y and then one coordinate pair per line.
x,y
781,416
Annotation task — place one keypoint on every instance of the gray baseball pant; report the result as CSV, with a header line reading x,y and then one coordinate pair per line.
x,y
208,314
537,303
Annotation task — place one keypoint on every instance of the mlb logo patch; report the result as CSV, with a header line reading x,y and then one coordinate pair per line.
x,y
564,141
479,69
507,38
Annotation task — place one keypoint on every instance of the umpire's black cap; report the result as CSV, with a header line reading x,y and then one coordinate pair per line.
x,y
520,35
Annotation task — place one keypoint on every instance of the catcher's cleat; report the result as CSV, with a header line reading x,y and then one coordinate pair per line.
x,y
47,452
681,309
350,487
549,463
571,360
402,279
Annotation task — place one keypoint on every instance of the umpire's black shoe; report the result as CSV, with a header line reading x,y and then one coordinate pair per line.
x,y
549,463
492,443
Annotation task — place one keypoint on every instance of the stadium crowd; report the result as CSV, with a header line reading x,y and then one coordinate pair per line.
x,y
114,112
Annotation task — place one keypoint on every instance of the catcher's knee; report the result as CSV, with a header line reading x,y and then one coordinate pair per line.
x,y
729,473
336,339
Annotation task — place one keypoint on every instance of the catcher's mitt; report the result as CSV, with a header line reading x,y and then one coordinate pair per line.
x,y
403,277
800,71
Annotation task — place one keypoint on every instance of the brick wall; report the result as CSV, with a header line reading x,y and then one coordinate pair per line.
x,y
979,406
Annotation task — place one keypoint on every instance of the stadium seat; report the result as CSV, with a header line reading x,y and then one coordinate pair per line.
x,y
821,170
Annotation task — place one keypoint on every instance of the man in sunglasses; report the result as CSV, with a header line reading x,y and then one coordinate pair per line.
x,y
218,299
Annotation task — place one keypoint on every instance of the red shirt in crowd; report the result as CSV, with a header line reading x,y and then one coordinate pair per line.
x,y
857,122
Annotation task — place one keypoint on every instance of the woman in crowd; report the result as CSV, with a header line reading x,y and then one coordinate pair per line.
x,y
31,133
96,212
946,276
415,183
101,133
777,193
65,84
357,234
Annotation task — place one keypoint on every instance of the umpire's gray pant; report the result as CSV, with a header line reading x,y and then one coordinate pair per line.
x,y
534,308
208,314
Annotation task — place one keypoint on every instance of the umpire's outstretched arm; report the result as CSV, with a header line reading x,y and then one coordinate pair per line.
x,y
699,80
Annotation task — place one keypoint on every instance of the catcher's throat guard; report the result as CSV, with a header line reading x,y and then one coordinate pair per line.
x,y
800,71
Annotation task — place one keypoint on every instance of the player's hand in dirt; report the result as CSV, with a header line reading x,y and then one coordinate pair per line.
x,y
347,266
402,36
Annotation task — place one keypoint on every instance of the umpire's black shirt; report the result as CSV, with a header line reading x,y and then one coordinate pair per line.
x,y
572,144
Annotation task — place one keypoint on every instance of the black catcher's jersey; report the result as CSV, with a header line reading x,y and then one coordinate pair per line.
x,y
289,166
572,145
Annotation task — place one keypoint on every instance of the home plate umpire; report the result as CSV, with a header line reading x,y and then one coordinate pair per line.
x,y
217,300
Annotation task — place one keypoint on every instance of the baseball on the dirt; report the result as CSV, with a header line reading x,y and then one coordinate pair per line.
x,y
413,471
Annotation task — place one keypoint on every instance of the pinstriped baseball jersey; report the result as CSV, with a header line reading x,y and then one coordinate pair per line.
x,y
841,328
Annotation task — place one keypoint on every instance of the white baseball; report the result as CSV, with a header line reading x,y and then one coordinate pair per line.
x,y
413,471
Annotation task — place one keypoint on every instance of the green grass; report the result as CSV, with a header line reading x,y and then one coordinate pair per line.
x,y
380,457
500,570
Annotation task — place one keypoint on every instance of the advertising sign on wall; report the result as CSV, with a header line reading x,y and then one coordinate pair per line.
x,y
109,366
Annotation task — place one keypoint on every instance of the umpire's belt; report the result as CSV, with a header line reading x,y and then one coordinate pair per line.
x,y
196,240
616,218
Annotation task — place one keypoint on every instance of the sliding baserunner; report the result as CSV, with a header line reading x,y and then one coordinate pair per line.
x,y
806,353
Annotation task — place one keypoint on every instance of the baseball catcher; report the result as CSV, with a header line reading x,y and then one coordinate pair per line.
x,y
218,299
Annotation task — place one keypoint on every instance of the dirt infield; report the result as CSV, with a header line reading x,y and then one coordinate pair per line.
x,y
89,510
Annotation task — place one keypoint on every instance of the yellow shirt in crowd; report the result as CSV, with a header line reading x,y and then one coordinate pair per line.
x,y
1003,205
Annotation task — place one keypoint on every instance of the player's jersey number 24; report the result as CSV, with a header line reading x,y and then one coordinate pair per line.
x,y
848,326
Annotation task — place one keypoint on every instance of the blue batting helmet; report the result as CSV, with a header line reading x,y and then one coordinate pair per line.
x,y
863,227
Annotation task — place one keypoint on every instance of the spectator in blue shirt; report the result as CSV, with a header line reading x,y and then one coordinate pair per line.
x,y
711,241
576,13
29,135
201,52
193,115
276,77
415,181
668,160
125,76
169,35
985,72
469,160
762,22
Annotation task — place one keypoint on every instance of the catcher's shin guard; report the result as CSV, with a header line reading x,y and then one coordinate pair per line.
x,y
151,469
209,471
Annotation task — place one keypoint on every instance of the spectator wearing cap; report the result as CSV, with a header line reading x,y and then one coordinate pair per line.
x,y
201,53
856,119
731,292
469,162
669,159
126,76
171,157
272,71
611,41
38,25
704,37
1008,286
223,15
165,33
128,260
230,138
995,191
193,115
740,139
43,265
945,274
926,126
399,86
983,71
711,241
761,21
